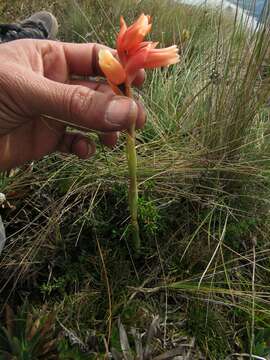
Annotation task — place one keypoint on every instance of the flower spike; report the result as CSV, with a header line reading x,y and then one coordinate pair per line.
x,y
134,53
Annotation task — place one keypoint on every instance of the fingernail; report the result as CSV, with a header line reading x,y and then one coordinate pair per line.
x,y
120,111
86,149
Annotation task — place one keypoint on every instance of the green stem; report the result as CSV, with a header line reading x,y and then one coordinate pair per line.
x,y
132,169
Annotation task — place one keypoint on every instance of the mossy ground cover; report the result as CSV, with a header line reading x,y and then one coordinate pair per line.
x,y
203,167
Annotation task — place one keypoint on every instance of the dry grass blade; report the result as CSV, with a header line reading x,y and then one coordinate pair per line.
x,y
151,333
178,353
138,343
9,318
73,338
46,327
126,350
2,235
116,355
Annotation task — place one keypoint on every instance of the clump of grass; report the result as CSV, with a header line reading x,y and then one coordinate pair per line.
x,y
27,335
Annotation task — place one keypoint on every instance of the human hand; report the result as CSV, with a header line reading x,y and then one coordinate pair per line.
x,y
37,79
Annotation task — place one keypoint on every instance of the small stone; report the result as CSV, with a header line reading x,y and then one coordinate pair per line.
x,y
2,198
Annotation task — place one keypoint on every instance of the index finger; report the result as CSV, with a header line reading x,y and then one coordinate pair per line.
x,y
82,59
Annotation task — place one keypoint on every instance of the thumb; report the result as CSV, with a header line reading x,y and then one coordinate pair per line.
x,y
79,105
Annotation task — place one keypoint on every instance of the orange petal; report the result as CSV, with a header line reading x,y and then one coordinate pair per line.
x,y
123,24
119,41
135,33
123,29
148,57
111,67
137,61
162,57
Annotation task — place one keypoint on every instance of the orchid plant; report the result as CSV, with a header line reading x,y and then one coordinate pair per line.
x,y
133,54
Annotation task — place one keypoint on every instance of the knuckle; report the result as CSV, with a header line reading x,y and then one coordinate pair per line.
x,y
94,62
81,101
54,61
12,82
4,77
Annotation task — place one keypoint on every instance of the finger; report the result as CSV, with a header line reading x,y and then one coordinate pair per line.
x,y
77,144
109,139
77,104
139,79
94,85
82,59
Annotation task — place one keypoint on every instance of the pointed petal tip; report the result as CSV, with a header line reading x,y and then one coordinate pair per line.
x,y
123,24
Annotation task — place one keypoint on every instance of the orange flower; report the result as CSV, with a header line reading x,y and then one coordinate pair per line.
x,y
134,53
